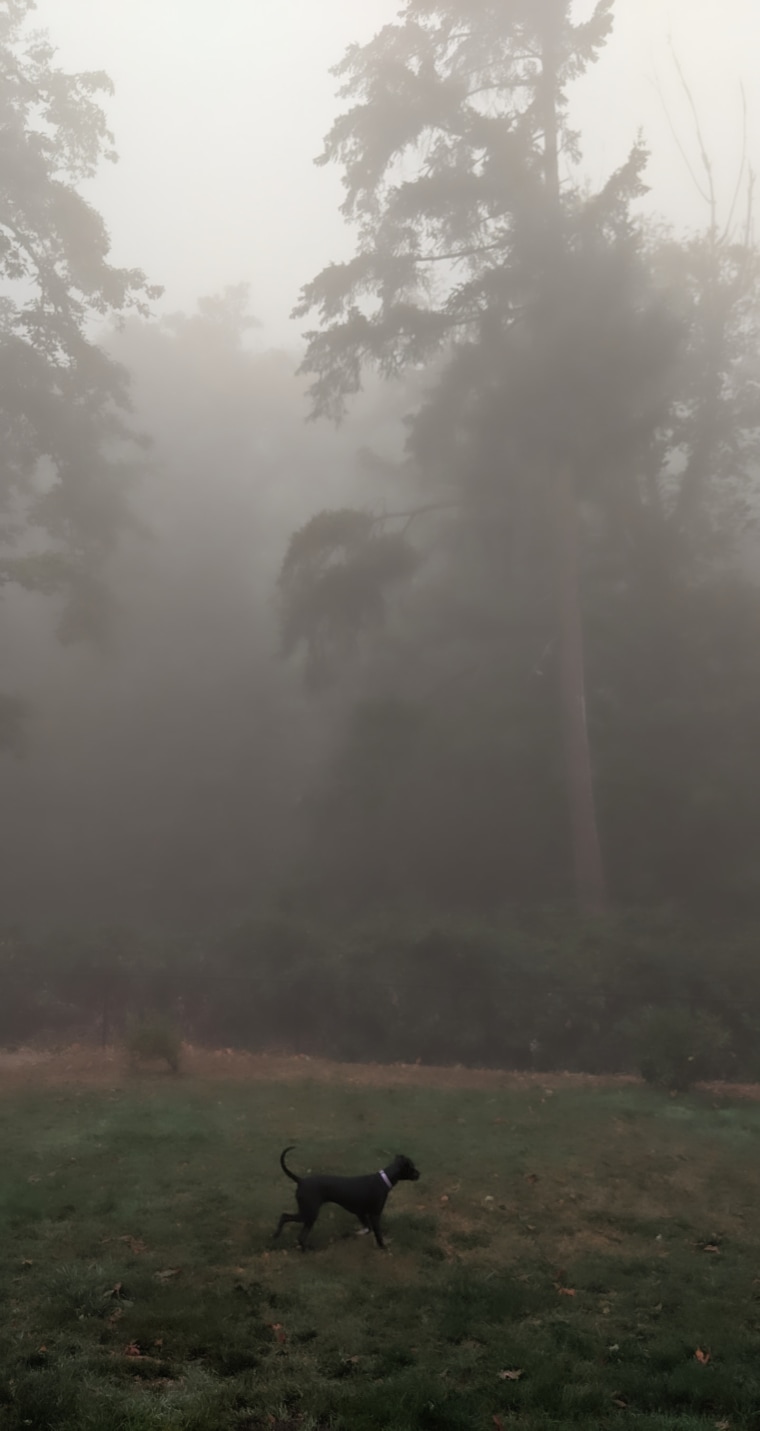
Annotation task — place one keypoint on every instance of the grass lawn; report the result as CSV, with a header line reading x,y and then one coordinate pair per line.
x,y
568,1258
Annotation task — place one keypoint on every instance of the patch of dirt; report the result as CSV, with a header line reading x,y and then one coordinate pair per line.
x,y
81,1063
17,1058
94,1066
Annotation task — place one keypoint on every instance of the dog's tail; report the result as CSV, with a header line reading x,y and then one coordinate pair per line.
x,y
284,1166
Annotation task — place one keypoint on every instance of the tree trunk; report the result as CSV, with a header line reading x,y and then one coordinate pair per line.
x,y
587,854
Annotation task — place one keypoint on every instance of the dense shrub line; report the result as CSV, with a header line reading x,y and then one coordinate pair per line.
x,y
543,991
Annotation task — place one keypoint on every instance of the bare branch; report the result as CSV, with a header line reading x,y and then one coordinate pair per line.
x,y
679,145
703,154
742,166
410,516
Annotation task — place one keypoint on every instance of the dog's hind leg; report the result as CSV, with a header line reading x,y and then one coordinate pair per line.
x,y
305,1230
287,1217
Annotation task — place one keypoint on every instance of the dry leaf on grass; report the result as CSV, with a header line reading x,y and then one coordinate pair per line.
x,y
510,1375
167,1274
702,1356
135,1244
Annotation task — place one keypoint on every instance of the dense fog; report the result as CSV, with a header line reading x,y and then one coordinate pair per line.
x,y
403,707
161,768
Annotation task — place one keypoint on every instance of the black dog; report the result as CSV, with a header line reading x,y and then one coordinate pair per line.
x,y
364,1197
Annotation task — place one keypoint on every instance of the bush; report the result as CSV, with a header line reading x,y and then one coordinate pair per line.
x,y
539,989
154,1037
675,1047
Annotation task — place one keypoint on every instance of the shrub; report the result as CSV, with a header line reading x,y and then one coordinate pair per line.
x,y
154,1037
675,1047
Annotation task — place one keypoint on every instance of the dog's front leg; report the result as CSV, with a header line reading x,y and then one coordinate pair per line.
x,y
374,1222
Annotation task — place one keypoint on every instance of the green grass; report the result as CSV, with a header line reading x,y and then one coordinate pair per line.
x,y
141,1289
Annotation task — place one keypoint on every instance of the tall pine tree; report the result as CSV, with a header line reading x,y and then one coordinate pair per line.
x,y
471,246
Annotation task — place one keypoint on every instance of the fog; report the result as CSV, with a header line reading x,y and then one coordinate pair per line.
x,y
180,771
223,116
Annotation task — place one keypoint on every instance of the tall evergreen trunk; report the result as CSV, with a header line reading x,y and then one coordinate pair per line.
x,y
587,855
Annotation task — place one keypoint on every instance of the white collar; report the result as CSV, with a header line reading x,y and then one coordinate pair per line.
x,y
385,1178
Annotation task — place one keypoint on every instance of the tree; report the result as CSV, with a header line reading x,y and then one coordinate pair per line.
x,y
67,448
534,295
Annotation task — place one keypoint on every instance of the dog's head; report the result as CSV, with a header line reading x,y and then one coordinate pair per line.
x,y
404,1169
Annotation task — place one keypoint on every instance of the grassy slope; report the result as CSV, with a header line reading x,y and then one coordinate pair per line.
x,y
141,1288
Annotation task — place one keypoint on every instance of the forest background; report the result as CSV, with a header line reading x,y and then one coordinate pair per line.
x,y
434,734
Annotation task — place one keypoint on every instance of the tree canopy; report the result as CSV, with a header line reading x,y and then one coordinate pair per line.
x,y
588,437
67,446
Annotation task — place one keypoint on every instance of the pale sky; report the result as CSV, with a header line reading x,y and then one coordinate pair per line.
x,y
220,110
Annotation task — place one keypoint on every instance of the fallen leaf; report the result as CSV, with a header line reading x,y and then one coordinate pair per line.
x,y
132,1350
135,1244
566,1291
114,1291
167,1273
27,1262
709,1246
445,1197
702,1356
618,1401
510,1375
